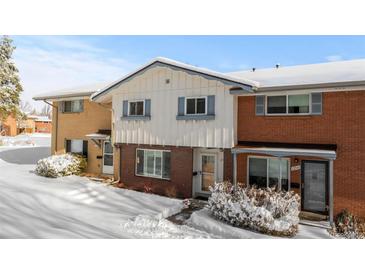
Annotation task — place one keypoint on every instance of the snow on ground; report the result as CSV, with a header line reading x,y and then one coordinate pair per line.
x,y
26,140
202,220
75,207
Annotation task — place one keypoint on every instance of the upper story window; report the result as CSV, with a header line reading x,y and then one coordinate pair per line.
x,y
136,108
196,106
288,104
73,106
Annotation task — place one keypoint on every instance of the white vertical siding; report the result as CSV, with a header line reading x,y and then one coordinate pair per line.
x,y
163,128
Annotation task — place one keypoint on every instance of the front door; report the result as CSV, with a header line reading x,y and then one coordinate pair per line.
x,y
208,171
107,158
315,186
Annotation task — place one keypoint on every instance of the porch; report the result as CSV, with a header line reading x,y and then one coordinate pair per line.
x,y
305,169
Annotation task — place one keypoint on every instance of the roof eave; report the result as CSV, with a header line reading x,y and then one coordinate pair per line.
x,y
312,86
187,68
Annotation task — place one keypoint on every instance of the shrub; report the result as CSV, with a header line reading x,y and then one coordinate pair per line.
x,y
264,210
61,165
349,226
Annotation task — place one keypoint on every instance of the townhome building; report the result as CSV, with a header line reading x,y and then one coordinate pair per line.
x,y
174,129
180,128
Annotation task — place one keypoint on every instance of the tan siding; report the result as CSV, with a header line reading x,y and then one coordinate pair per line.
x,y
77,125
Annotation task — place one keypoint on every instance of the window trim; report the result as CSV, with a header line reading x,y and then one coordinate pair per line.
x,y
136,101
151,176
196,106
267,168
287,105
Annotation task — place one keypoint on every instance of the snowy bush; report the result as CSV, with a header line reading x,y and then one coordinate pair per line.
x,y
349,226
264,210
61,165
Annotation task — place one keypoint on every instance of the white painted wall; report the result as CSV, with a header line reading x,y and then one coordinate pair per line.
x,y
163,128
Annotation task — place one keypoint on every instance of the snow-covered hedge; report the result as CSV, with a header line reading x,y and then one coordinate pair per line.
x,y
265,210
61,165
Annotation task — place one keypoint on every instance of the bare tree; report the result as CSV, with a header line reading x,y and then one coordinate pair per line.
x,y
46,111
26,107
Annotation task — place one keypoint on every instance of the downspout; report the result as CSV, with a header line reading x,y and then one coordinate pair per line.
x,y
56,121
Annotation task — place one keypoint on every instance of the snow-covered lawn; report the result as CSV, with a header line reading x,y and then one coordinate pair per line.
x,y
75,207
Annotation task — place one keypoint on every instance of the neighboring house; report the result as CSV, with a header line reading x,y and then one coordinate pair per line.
x,y
81,126
8,127
43,124
178,128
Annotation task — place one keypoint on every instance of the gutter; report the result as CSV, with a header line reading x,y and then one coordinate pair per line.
x,y
56,121
313,86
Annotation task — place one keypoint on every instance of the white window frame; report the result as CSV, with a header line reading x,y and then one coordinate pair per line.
x,y
196,105
136,101
287,105
149,175
267,168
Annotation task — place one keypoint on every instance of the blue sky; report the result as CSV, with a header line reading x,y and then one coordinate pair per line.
x,y
55,62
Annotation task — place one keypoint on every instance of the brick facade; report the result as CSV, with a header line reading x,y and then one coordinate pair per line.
x,y
342,123
76,126
180,183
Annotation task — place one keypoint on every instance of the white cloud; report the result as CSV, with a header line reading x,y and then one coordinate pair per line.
x,y
52,63
334,58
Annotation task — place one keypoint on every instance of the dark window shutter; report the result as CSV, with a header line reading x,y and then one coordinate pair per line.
x,y
84,148
316,103
68,146
147,105
181,106
211,105
61,106
125,108
260,105
81,105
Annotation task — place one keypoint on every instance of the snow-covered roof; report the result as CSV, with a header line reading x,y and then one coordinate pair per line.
x,y
345,72
245,84
71,92
42,119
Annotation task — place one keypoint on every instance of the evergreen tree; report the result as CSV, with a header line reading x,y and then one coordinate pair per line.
x,y
10,87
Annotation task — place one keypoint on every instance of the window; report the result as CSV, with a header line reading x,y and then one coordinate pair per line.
x,y
298,103
288,104
77,146
73,106
153,163
196,106
136,108
265,172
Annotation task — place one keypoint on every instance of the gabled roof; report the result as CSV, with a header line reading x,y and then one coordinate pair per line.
x,y
70,92
245,84
342,73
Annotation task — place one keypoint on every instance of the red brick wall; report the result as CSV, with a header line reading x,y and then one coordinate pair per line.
x,y
342,123
180,184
